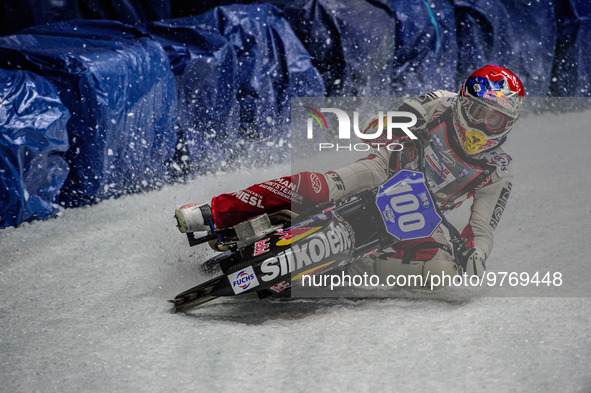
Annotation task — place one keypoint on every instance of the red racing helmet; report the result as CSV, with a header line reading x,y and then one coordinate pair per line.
x,y
488,104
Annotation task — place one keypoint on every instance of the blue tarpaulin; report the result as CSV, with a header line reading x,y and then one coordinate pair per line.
x,y
355,55
33,138
426,47
237,68
351,42
16,15
518,35
126,11
371,48
572,60
378,48
119,88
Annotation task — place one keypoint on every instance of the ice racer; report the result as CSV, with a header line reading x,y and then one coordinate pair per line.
x,y
461,139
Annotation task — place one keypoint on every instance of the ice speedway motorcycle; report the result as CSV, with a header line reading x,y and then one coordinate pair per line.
x,y
271,253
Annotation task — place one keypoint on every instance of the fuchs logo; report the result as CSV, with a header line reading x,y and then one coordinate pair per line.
x,y
501,161
243,280
388,122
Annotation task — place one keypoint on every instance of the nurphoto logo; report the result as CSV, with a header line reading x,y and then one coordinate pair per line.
x,y
381,135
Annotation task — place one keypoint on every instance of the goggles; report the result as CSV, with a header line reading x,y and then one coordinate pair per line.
x,y
485,119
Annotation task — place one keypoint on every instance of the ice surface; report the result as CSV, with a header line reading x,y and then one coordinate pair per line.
x,y
83,301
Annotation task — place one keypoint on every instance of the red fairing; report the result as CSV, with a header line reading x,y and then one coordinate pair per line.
x,y
304,189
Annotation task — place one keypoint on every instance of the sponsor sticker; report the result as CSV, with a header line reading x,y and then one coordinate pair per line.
x,y
316,183
243,280
501,161
500,206
280,287
437,171
336,179
294,234
311,254
261,247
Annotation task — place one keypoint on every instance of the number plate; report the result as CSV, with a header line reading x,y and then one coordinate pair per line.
x,y
406,206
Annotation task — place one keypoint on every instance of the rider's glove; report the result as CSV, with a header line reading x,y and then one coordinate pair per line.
x,y
476,264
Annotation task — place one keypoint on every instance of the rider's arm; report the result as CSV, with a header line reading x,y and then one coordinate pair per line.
x,y
487,208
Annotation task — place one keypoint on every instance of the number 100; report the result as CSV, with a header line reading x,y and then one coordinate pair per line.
x,y
405,203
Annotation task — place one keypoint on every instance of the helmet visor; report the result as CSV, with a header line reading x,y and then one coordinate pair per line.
x,y
484,118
